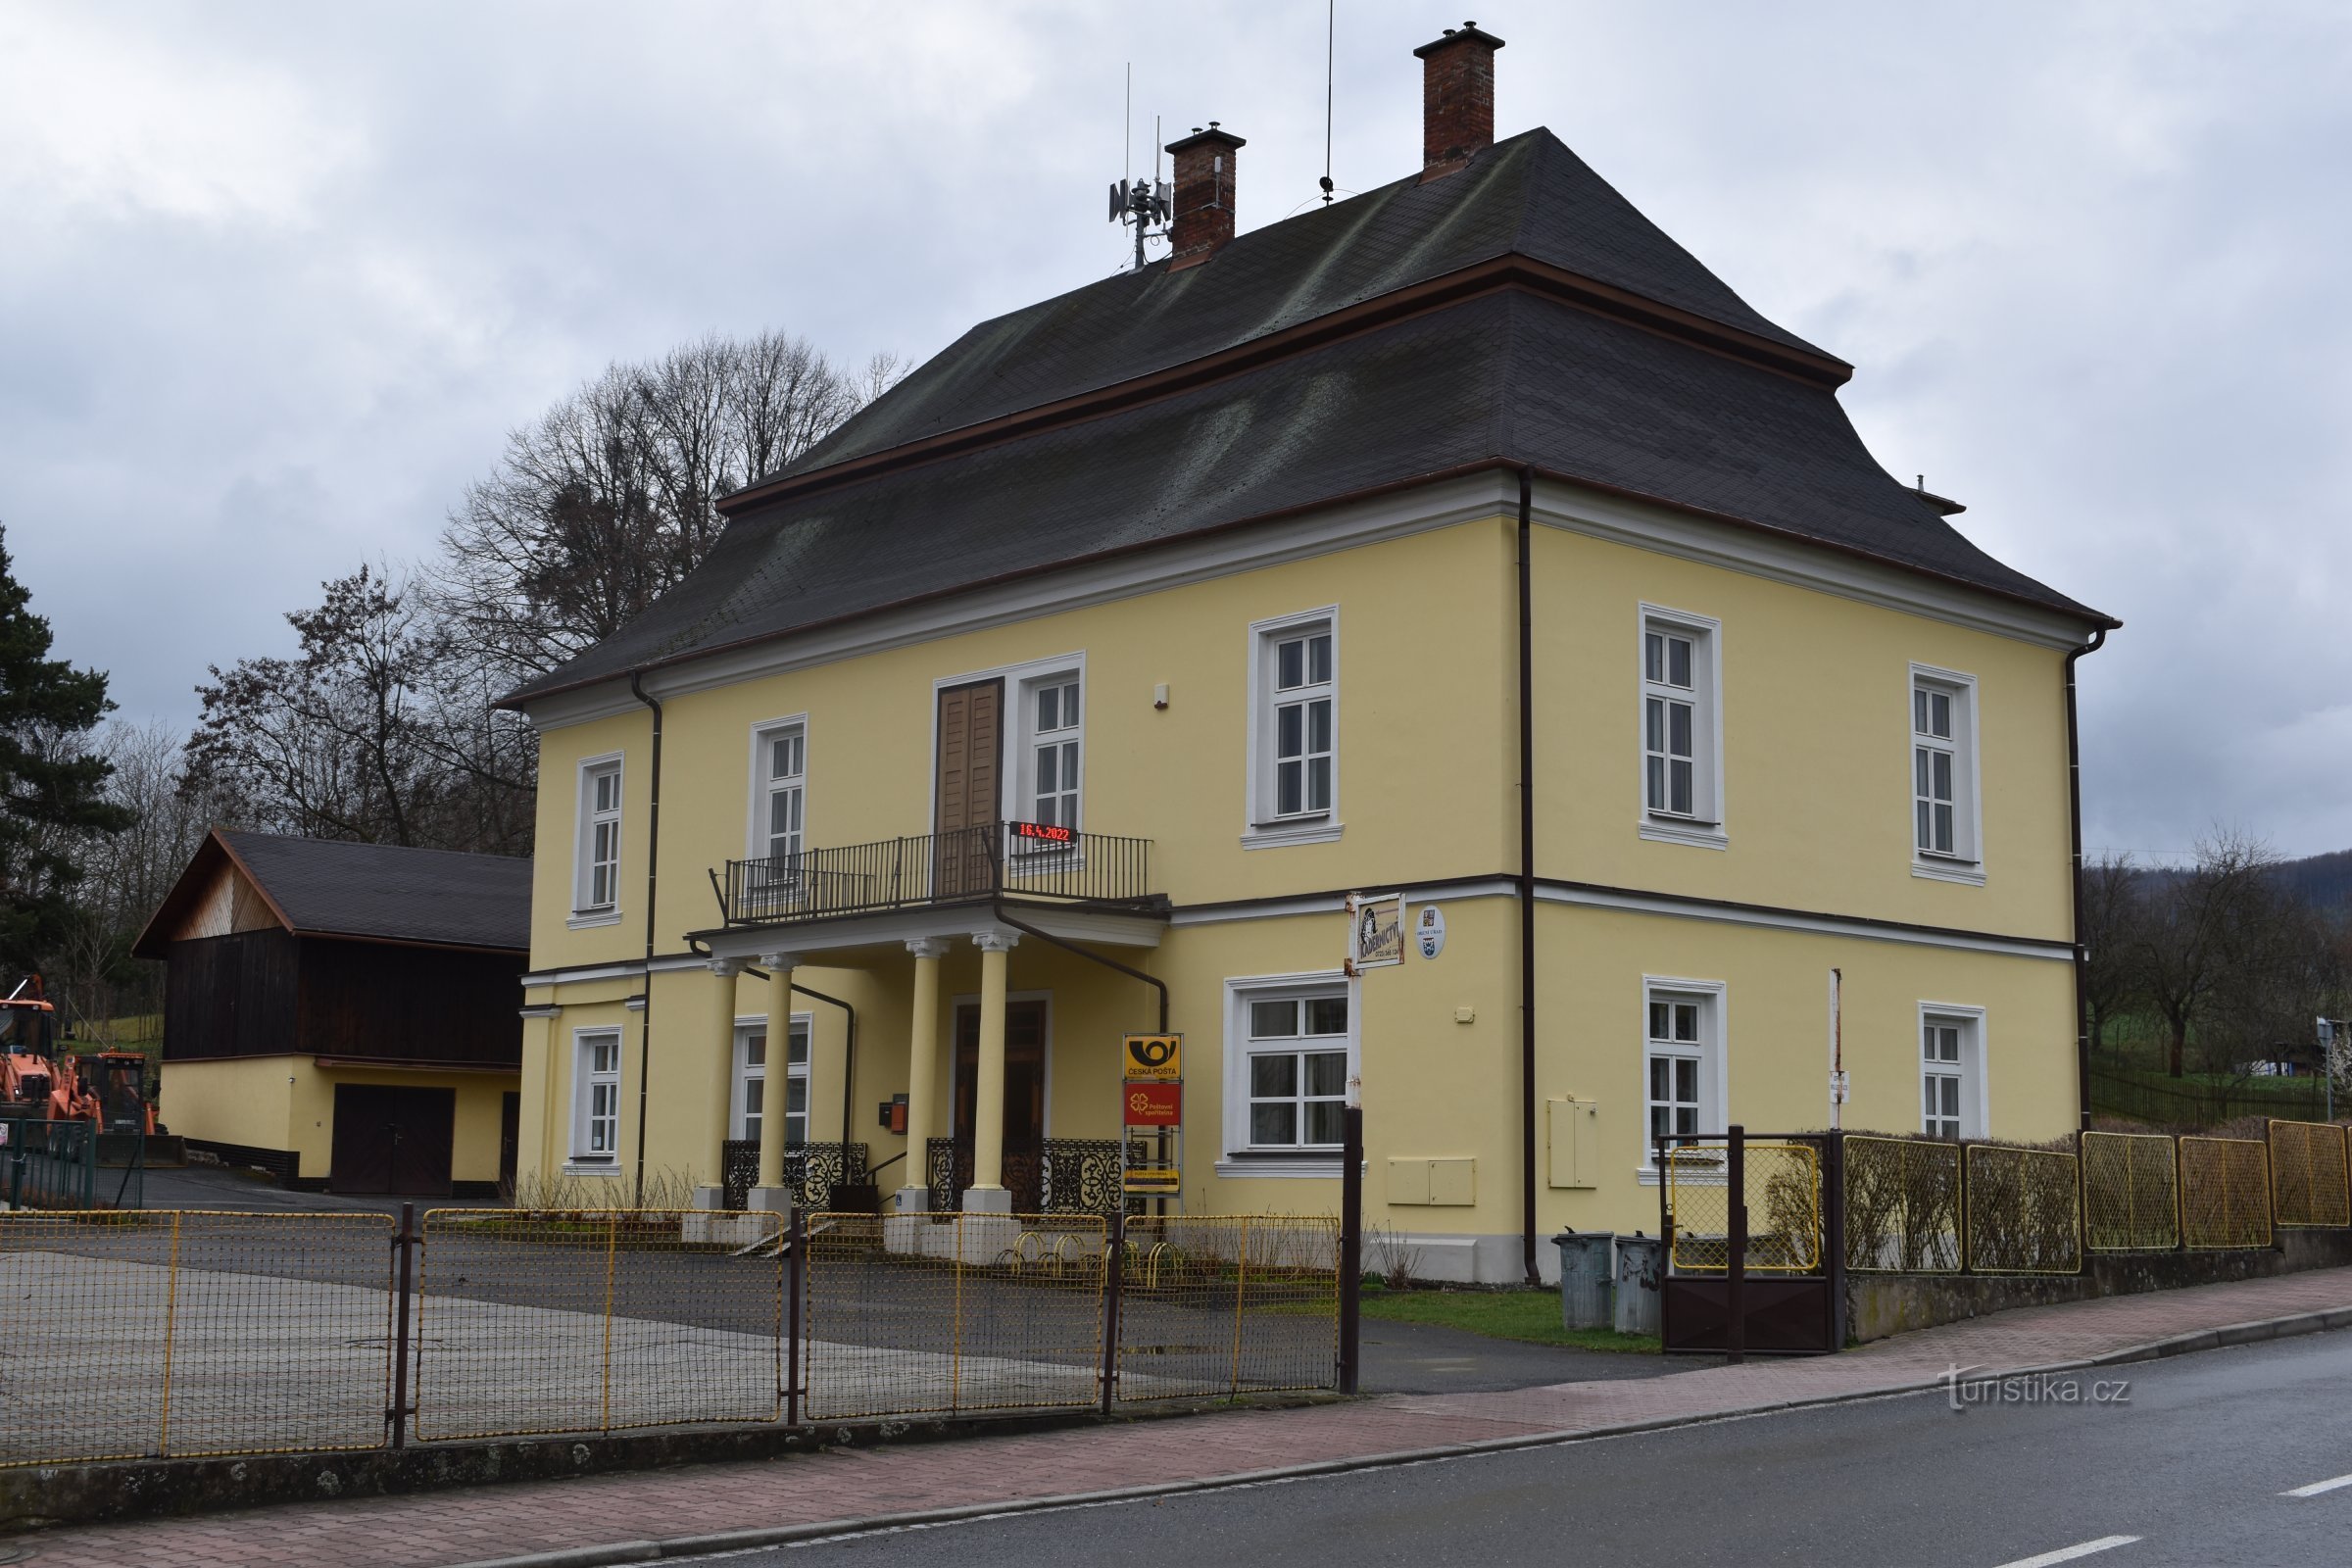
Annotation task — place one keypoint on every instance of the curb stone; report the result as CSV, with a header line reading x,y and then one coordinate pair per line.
x,y
615,1553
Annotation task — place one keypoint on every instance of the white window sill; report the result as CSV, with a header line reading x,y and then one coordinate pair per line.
x,y
1254,1168
1699,835
1969,873
1042,862
1275,835
582,919
608,1168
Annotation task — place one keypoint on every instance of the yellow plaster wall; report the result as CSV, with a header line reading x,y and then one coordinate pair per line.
x,y
289,1103
238,1099
1816,746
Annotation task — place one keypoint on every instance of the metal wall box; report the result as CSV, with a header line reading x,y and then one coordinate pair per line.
x,y
1573,1126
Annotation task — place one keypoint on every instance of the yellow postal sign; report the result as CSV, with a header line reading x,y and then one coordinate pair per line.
x,y
1153,1058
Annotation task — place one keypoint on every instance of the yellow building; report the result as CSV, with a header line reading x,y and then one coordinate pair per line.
x,y
1466,539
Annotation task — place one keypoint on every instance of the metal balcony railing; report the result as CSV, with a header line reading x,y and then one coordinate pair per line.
x,y
1002,859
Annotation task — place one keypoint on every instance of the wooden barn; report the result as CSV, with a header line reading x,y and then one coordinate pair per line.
x,y
343,1014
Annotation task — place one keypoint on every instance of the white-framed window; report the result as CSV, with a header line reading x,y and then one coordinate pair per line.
x,y
1951,1071
783,770
1052,736
1295,729
1945,823
1684,1080
1295,1066
596,1097
752,1105
596,866
1681,727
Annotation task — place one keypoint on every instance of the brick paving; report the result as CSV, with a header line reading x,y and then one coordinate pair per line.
x,y
437,1528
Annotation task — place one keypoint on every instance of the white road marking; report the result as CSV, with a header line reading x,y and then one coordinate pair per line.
x,y
2318,1486
2070,1553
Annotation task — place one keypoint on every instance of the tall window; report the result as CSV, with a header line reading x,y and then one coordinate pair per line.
x,y
785,754
1950,1075
1943,819
1681,1060
1682,798
1669,724
1053,738
1297,1069
596,1099
1303,724
751,1101
597,883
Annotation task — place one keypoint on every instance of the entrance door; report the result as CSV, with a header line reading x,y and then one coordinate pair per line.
x,y
1024,1095
971,741
510,1137
392,1140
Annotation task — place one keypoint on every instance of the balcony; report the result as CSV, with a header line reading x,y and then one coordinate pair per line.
x,y
1015,862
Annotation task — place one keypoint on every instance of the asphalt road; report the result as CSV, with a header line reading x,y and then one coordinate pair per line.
x,y
2191,1468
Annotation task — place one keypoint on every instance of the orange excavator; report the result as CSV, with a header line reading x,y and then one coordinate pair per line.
x,y
106,1087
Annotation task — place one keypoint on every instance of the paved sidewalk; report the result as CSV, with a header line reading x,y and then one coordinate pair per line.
x,y
489,1523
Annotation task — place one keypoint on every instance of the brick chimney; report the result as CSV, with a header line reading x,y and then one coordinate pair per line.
x,y
1457,98
1203,220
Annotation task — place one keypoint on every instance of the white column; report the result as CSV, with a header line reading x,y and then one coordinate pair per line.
x,y
710,1193
986,1192
922,1069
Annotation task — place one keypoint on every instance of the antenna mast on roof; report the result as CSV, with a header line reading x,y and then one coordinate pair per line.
x,y
1331,32
1142,202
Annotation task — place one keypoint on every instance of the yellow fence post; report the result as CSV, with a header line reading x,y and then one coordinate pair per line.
x,y
956,1339
1241,1286
162,1438
612,1252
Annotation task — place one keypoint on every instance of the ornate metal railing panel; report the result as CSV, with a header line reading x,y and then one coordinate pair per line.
x,y
1061,1176
964,864
810,1171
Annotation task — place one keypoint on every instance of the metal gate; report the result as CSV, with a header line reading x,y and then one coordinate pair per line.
x,y
1755,1252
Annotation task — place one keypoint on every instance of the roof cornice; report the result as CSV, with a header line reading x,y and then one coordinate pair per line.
x,y
1511,271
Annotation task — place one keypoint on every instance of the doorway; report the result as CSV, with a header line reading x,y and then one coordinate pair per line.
x,y
392,1140
1025,1092
971,744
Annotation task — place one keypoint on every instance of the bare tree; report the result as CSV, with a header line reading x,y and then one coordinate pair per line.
x,y
2196,929
2114,904
606,502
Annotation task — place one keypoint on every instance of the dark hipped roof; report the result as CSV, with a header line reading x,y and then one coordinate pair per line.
x,y
1528,196
1500,377
324,887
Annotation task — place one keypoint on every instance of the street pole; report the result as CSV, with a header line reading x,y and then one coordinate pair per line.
x,y
1352,1241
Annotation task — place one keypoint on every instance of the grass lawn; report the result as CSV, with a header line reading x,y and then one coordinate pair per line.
x,y
1529,1315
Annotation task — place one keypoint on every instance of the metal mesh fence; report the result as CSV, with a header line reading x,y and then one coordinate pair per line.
x,y
2307,1175
1782,1189
1228,1305
2224,1193
908,1314
596,1320
188,1332
2023,1210
2131,1193
1902,1205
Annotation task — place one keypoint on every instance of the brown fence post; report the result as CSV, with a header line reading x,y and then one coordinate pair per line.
x,y
796,1249
1734,1271
1351,1246
1114,1275
403,1241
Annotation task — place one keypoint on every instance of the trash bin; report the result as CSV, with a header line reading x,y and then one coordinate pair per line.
x,y
1583,1278
1639,1258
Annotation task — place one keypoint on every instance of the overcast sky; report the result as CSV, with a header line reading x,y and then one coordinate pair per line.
x,y
274,279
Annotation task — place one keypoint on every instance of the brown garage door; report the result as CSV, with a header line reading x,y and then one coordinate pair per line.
x,y
392,1140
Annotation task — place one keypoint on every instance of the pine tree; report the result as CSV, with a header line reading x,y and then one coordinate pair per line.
x,y
52,797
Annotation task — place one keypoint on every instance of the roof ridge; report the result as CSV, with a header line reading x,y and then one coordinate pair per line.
x,y
367,844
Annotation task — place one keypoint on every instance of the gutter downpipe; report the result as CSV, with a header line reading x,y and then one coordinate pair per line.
x,y
1527,877
653,873
997,913
2074,793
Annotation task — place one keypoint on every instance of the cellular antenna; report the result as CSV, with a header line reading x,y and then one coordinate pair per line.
x,y
1331,32
1142,203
